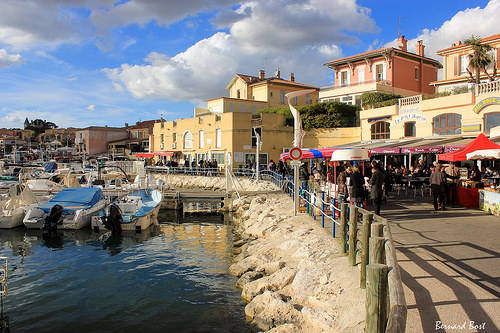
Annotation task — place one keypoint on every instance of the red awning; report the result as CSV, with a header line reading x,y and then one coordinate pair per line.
x,y
481,142
146,155
312,153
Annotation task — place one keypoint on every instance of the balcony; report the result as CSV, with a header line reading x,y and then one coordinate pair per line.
x,y
355,88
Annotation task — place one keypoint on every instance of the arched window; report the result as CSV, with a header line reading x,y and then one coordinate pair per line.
x,y
447,124
491,120
381,130
201,138
187,140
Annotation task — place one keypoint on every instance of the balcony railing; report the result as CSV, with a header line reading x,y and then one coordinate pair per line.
x,y
488,87
355,84
409,101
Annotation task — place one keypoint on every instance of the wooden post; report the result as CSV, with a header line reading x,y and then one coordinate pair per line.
x,y
367,220
377,230
377,250
376,298
353,228
343,227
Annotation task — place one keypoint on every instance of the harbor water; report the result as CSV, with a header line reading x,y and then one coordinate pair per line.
x,y
171,278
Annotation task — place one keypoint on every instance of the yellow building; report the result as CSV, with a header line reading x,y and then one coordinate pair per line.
x,y
230,124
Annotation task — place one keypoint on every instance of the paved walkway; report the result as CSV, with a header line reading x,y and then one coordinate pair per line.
x,y
450,265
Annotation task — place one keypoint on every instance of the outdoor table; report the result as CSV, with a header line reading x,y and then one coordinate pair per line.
x,y
467,197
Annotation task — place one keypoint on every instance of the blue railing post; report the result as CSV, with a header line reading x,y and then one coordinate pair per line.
x,y
322,209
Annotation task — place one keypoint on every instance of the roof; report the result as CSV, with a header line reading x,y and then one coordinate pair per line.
x,y
460,45
254,80
379,52
143,124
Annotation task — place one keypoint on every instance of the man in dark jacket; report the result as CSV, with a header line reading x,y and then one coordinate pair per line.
x,y
304,175
376,183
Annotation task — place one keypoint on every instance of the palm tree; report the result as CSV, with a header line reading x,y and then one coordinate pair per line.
x,y
479,59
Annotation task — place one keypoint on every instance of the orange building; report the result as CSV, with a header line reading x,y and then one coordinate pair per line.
x,y
390,70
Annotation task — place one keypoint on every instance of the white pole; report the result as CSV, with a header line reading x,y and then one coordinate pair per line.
x,y
297,140
257,159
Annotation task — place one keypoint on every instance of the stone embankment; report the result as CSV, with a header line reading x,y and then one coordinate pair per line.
x,y
216,183
288,267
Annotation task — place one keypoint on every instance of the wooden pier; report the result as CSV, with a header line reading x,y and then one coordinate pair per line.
x,y
176,199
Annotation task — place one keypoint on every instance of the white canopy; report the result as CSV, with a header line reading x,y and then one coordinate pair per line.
x,y
485,154
350,154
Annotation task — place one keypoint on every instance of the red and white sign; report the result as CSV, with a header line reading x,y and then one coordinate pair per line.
x,y
295,153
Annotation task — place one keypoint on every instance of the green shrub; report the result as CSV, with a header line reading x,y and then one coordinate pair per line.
x,y
373,100
321,115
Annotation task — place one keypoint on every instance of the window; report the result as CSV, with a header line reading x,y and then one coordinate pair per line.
x,y
219,157
491,120
361,74
250,159
162,138
379,72
344,78
447,124
231,107
201,139
243,108
238,94
254,109
381,130
416,73
218,138
174,137
257,130
308,99
282,96
187,142
410,129
295,100
464,63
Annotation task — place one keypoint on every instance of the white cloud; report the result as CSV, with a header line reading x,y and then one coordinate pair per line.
x,y
476,21
7,60
91,107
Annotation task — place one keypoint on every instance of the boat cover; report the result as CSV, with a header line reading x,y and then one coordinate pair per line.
x,y
74,198
50,166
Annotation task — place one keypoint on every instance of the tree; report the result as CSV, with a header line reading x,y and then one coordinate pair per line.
x,y
479,59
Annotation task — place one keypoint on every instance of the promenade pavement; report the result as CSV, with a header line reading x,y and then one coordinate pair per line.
x,y
450,265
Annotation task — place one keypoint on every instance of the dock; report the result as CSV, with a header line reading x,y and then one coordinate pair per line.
x,y
176,199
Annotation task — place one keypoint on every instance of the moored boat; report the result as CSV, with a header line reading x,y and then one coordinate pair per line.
x,y
71,208
13,208
135,211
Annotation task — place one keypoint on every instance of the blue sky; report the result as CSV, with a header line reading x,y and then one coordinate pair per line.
x,y
86,63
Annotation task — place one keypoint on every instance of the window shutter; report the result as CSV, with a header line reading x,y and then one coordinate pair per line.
x,y
456,65
384,72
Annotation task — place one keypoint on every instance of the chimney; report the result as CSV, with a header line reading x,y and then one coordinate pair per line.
x,y
402,43
292,77
262,74
420,48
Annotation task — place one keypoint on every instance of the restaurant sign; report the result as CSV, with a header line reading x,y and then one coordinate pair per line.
x,y
431,149
471,128
485,102
410,117
395,150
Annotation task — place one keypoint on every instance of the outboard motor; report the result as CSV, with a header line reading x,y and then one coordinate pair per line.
x,y
114,219
53,218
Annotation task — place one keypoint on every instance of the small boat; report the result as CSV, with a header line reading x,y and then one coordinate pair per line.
x,y
13,208
71,208
135,211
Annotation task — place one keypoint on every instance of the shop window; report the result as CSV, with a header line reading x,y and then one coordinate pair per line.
x,y
410,129
219,157
447,124
491,120
381,130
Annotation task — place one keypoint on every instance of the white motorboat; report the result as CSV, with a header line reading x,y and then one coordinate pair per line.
x,y
135,211
71,208
13,208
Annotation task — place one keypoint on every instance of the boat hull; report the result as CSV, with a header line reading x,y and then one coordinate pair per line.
x,y
12,219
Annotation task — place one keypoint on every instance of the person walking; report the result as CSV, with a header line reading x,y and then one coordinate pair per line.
x,y
343,192
452,176
438,186
377,191
304,175
357,182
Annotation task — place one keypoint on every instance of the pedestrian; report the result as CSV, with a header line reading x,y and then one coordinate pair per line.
x,y
343,192
377,191
357,182
452,176
304,175
438,186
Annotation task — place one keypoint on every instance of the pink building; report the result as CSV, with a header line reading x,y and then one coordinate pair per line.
x,y
94,140
390,70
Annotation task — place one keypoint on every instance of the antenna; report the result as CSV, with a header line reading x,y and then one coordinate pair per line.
x,y
399,31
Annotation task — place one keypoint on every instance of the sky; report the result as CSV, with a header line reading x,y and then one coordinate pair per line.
x,y
81,63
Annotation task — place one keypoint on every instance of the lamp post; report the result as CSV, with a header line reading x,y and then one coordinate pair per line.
x,y
298,135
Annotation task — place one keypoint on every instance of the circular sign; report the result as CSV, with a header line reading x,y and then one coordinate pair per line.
x,y
295,153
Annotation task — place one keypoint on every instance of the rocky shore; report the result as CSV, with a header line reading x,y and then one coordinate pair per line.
x,y
288,266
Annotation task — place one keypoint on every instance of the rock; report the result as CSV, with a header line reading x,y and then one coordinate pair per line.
x,y
273,282
248,277
248,264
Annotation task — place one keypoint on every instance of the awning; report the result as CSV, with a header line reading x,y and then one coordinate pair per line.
x,y
374,120
481,142
145,155
312,153
432,149
350,154
388,150
485,154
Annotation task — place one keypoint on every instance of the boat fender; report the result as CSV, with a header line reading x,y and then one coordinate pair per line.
x,y
114,219
53,218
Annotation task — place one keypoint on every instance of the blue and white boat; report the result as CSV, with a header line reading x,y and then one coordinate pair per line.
x,y
136,211
71,208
